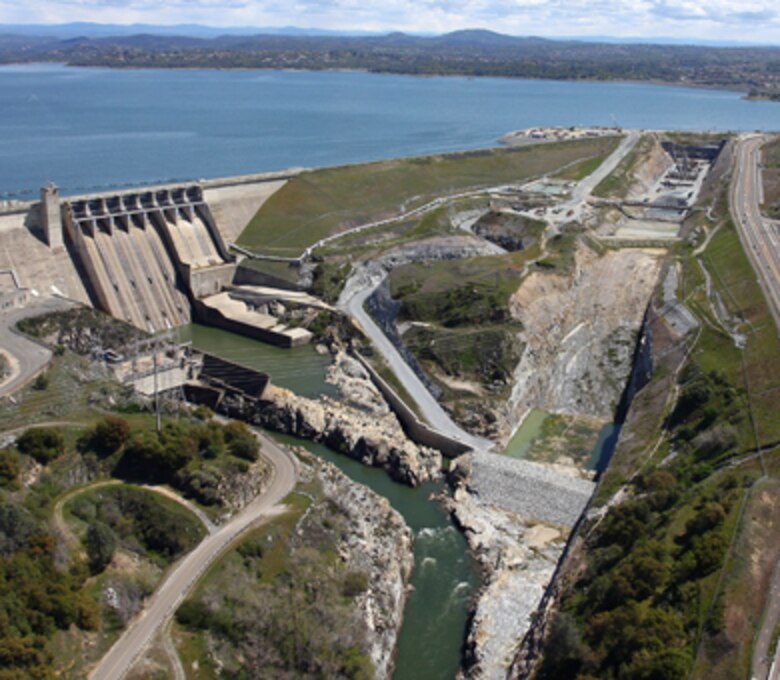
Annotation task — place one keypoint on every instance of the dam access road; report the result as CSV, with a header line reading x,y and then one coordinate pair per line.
x,y
28,358
758,234
185,574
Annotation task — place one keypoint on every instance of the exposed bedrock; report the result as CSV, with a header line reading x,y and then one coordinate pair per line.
x,y
380,545
517,557
580,333
360,424
508,230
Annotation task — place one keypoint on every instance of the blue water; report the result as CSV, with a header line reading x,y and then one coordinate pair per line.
x,y
91,129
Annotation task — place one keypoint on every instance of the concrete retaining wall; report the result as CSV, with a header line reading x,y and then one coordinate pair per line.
x,y
420,433
205,282
251,277
213,317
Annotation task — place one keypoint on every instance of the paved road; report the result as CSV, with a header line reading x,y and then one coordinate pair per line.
x,y
756,233
761,648
116,663
27,357
436,416
585,187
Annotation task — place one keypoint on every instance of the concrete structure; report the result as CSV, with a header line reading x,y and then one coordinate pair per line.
x,y
225,310
218,378
419,432
143,256
234,201
158,370
24,250
146,254
51,217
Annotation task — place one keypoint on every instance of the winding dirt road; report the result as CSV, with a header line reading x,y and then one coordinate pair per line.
x,y
162,605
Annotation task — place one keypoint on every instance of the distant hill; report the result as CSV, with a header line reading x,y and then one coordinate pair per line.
x,y
476,52
93,30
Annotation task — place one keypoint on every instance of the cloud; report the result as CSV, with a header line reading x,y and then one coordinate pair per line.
x,y
727,19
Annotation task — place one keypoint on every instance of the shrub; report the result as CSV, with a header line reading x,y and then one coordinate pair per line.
x,y
9,469
107,437
355,583
44,444
210,439
41,382
241,442
16,527
715,441
193,614
100,543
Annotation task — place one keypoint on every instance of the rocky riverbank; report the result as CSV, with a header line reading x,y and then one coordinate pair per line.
x,y
380,545
359,424
518,557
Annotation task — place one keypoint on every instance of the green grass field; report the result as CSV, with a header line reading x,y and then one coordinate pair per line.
x,y
735,280
323,202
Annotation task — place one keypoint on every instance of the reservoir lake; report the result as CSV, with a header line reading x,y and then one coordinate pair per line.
x,y
94,129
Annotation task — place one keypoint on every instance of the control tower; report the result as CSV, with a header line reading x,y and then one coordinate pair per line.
x,y
51,216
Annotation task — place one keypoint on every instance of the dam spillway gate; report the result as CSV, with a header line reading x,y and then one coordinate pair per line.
x,y
148,254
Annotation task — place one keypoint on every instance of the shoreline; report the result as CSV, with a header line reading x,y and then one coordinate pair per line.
x,y
735,88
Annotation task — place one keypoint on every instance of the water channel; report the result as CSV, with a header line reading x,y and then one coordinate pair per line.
x,y
299,369
445,578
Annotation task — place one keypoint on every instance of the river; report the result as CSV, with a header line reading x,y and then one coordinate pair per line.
x,y
90,129
445,578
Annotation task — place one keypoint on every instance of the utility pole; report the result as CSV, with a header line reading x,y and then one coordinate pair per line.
x,y
156,392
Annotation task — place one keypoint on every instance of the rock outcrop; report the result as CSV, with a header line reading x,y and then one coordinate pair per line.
x,y
373,439
380,545
579,333
518,558
508,230
360,424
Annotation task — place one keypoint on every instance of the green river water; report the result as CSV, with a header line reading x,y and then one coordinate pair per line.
x,y
445,578
299,369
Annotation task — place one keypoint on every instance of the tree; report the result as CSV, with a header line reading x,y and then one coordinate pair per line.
x,y
210,438
42,443
109,435
16,527
241,442
142,456
101,543
9,469
563,653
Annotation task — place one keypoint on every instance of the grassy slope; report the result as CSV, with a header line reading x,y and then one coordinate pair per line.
x,y
282,589
618,182
771,177
323,202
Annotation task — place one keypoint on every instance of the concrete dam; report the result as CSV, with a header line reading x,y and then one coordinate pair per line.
x,y
147,254
154,257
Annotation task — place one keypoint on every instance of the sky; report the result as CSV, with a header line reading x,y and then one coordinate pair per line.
x,y
752,21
